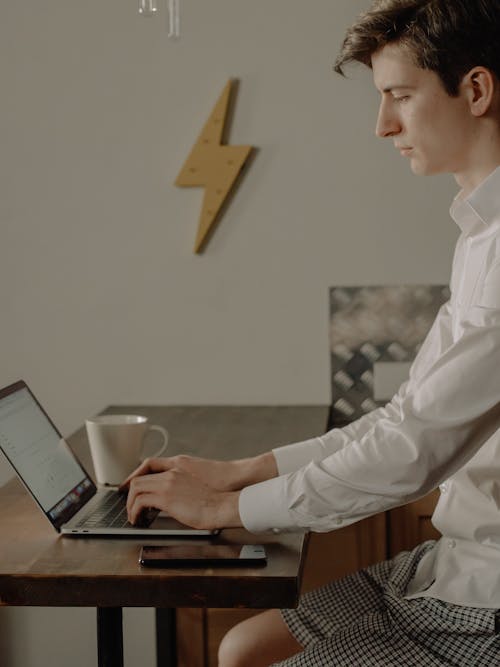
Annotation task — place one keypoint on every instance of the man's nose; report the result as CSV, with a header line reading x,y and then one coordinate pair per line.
x,y
387,123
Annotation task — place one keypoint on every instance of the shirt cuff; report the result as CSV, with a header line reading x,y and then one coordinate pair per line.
x,y
263,507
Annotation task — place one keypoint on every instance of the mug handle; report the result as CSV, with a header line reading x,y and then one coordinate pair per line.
x,y
164,433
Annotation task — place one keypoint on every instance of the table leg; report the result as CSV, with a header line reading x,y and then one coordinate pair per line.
x,y
109,637
166,640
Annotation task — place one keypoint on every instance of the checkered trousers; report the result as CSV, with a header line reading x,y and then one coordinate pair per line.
x,y
364,621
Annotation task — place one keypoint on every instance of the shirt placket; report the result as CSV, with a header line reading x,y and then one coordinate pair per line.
x,y
470,272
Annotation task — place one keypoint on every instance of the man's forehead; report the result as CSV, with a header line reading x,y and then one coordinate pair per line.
x,y
393,69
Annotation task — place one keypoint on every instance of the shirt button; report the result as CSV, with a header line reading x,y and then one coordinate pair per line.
x,y
452,544
276,531
444,487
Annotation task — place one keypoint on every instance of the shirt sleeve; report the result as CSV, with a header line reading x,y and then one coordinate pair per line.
x,y
450,407
291,458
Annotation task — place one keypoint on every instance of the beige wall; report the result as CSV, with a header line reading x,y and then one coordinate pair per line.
x,y
102,300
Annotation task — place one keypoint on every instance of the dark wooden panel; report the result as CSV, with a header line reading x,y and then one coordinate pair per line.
x,y
334,555
191,634
411,525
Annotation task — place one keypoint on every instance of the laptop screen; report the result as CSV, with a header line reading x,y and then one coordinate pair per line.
x,y
40,456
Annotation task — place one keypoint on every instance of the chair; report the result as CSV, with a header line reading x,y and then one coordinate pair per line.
x,y
375,334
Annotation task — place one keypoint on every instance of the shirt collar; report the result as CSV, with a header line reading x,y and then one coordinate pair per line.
x,y
481,206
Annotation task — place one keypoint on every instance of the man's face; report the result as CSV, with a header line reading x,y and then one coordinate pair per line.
x,y
428,126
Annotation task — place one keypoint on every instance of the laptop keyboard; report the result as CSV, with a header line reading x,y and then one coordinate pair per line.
x,y
110,513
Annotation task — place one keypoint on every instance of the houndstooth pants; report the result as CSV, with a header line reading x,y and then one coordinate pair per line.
x,y
363,620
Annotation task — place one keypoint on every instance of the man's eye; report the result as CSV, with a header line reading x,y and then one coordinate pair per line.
x,y
402,98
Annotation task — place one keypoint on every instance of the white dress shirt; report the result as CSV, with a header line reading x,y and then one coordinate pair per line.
x,y
441,428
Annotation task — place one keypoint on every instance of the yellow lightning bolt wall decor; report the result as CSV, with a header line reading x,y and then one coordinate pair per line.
x,y
214,166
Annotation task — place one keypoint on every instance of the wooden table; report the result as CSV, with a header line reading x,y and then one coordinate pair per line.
x,y
40,568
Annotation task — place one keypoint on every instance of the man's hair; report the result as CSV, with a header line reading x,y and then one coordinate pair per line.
x,y
449,37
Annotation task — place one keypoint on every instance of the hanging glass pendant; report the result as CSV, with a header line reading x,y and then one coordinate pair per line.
x,y
148,7
174,18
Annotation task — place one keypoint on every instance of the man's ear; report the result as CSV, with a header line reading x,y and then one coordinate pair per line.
x,y
479,85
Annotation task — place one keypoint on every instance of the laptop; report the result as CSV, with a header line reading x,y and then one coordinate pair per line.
x,y
61,487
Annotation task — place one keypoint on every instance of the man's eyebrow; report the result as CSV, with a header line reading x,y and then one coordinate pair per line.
x,y
389,89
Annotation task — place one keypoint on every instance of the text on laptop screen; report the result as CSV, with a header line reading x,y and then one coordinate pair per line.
x,y
35,449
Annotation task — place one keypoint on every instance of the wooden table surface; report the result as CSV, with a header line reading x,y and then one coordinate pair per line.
x,y
39,567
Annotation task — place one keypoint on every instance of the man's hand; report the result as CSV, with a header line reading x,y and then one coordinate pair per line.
x,y
219,475
184,497
198,492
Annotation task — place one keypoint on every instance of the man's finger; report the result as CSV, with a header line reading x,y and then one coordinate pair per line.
x,y
148,466
140,485
141,502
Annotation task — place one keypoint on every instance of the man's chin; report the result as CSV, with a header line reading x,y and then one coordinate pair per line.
x,y
423,168
420,168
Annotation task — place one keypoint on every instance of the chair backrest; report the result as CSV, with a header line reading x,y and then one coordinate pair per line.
x,y
375,334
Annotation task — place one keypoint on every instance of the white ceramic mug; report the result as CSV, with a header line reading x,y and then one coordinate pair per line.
x,y
117,445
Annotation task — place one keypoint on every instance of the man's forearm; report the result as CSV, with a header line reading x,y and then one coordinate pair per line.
x,y
227,514
253,470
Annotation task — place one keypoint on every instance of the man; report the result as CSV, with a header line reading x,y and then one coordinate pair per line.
x,y
436,64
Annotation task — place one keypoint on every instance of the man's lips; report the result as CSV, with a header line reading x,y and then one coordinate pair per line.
x,y
404,150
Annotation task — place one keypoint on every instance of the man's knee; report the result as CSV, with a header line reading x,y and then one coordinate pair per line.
x,y
259,641
233,649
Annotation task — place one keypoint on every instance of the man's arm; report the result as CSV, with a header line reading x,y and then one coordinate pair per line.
x,y
291,458
199,492
449,410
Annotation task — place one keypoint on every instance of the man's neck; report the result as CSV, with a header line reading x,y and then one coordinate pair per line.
x,y
468,182
483,160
